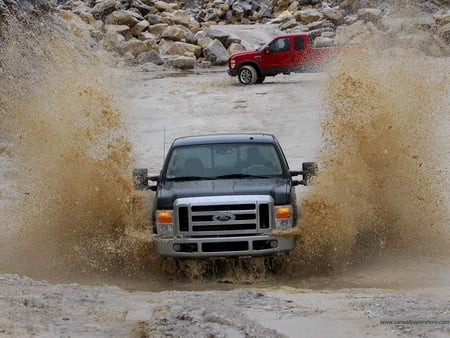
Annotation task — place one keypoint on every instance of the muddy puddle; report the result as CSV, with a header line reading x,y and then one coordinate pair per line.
x,y
376,214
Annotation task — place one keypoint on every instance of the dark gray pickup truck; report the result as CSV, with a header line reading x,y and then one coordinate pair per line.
x,y
223,195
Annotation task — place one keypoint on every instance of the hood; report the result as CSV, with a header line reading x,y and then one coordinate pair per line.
x,y
278,188
244,54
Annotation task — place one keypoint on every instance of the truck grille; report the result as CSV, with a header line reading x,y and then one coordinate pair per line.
x,y
239,215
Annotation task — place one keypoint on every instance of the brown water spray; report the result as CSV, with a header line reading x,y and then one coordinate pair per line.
x,y
380,185
72,206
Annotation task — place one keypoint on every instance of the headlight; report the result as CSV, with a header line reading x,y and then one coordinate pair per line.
x,y
283,217
164,222
232,63
165,229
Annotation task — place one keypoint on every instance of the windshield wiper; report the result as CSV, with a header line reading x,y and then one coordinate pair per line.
x,y
242,176
189,178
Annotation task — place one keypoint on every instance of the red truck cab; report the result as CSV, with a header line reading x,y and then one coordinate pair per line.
x,y
284,54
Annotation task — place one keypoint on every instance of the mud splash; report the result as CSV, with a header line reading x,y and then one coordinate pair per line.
x,y
381,185
71,206
69,212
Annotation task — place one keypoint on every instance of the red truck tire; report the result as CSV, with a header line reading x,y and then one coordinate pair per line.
x,y
247,75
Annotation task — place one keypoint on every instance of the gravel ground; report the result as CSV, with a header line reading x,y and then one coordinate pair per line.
x,y
38,308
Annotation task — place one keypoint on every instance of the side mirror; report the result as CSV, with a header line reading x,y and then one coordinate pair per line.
x,y
153,179
294,172
309,169
141,178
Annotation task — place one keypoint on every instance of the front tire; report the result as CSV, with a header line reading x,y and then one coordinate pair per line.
x,y
261,79
247,75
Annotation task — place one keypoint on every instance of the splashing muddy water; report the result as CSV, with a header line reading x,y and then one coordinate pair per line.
x,y
381,185
71,206
68,162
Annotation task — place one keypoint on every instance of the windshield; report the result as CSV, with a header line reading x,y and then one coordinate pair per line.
x,y
210,161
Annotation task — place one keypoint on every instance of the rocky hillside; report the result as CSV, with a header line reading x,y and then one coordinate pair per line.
x,y
180,34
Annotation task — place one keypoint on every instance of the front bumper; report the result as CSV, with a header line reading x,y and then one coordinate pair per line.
x,y
232,71
260,245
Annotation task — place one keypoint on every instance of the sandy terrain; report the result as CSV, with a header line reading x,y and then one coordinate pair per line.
x,y
398,292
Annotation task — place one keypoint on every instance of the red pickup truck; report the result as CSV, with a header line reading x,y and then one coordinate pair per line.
x,y
284,54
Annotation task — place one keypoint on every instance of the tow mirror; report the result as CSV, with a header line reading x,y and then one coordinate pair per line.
x,y
309,169
294,172
141,178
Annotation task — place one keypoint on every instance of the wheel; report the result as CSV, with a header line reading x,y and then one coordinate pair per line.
x,y
261,79
247,75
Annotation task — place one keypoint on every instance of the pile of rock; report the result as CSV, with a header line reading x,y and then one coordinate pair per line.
x,y
151,31
179,34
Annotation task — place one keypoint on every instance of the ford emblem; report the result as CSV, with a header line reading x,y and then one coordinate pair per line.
x,y
223,217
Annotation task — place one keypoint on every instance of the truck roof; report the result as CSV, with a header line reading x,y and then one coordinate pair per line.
x,y
224,138
293,34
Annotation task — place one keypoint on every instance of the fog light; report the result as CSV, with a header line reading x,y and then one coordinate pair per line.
x,y
273,243
177,247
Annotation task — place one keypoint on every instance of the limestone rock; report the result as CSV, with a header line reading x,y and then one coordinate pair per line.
x,y
123,17
216,53
180,62
102,9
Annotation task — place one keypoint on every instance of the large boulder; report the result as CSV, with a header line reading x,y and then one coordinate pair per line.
x,y
102,9
289,24
234,48
150,56
123,17
178,33
216,53
168,47
143,8
163,6
335,15
180,17
308,16
139,28
158,29
204,41
136,47
216,34
180,62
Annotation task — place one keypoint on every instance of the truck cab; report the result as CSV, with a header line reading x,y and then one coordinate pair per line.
x,y
284,54
222,196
